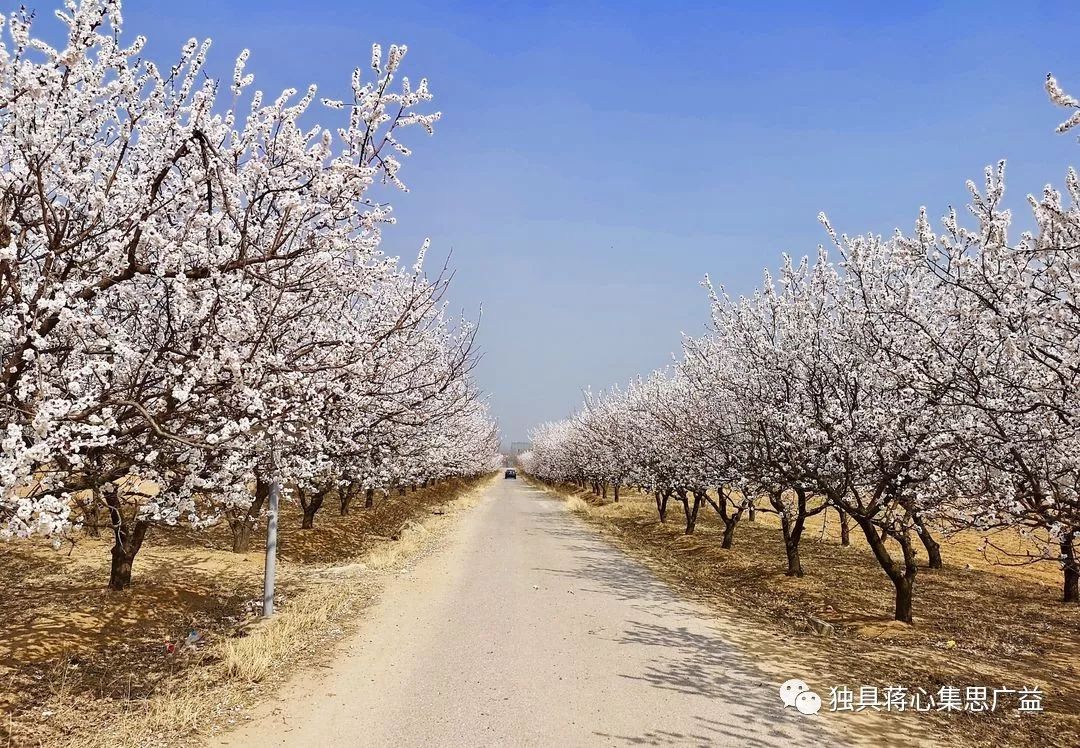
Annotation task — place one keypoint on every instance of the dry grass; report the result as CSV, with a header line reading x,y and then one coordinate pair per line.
x,y
82,666
577,505
271,645
976,623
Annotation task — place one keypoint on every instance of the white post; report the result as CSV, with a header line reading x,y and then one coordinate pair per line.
x,y
271,547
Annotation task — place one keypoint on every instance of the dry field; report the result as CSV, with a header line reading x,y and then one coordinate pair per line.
x,y
83,666
977,623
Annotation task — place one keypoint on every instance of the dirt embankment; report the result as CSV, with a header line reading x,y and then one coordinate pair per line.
x,y
84,666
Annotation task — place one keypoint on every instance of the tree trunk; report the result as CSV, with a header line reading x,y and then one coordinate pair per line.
x,y
792,528
729,534
241,537
603,490
401,490
90,521
905,586
241,526
904,599
730,519
792,536
369,498
120,570
845,528
1071,569
902,577
691,511
933,549
311,502
348,494
752,513
129,540
661,504
616,492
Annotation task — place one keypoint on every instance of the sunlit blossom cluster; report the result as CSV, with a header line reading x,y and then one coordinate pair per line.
x,y
192,293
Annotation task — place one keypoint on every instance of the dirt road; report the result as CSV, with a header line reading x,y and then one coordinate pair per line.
x,y
525,628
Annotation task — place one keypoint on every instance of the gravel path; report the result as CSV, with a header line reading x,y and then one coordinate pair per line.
x,y
524,628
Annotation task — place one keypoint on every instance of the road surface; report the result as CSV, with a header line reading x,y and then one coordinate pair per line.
x,y
525,628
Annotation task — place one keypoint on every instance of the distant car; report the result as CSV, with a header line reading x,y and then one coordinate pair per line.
x,y
510,474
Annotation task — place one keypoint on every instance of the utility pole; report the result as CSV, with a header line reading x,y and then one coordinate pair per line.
x,y
271,543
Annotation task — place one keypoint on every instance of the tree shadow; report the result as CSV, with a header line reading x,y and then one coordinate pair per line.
x,y
690,657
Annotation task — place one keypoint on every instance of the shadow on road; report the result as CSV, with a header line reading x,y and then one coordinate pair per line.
x,y
690,657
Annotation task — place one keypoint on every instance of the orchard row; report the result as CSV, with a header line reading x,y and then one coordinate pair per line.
x,y
916,384
193,300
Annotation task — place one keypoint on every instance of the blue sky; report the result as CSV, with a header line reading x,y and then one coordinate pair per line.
x,y
595,160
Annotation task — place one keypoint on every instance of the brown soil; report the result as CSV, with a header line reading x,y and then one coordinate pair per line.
x,y
67,639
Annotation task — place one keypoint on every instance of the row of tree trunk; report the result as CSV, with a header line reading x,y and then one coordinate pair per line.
x,y
793,517
599,488
129,533
901,572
